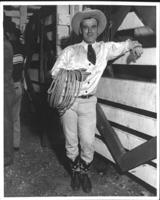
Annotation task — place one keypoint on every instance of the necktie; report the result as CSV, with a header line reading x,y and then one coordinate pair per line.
x,y
91,55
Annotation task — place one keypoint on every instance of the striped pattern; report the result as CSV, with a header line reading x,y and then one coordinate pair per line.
x,y
129,102
17,59
131,120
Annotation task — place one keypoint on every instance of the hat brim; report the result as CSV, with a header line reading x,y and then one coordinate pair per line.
x,y
96,14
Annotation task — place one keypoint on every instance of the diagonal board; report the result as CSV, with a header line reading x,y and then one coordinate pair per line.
x,y
125,160
109,135
139,155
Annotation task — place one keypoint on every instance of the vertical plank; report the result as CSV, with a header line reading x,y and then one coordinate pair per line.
x,y
23,18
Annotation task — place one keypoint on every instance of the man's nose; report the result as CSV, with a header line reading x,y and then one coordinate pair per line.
x,y
89,30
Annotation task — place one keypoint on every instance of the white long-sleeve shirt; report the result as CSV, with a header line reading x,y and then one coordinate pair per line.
x,y
75,57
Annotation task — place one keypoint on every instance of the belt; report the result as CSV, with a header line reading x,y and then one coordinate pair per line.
x,y
86,96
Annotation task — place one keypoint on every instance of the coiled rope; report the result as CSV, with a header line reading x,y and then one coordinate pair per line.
x,y
64,89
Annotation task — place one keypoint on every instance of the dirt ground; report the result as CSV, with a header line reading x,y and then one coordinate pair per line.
x,y
42,171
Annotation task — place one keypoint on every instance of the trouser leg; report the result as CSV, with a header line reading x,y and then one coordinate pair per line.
x,y
69,125
87,129
83,113
16,119
8,129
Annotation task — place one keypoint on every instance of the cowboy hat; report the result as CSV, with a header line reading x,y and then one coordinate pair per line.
x,y
89,13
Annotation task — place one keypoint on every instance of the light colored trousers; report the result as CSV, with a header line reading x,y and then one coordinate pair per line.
x,y
16,115
79,126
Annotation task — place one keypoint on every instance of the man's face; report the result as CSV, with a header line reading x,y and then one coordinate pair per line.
x,y
89,30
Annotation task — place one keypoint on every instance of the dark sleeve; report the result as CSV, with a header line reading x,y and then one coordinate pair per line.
x,y
8,66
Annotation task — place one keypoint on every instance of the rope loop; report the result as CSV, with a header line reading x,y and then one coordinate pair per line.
x,y
64,89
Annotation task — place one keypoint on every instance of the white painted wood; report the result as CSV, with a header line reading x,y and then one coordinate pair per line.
x,y
62,31
59,50
102,149
62,9
12,13
64,19
23,18
132,93
62,25
147,58
131,21
128,141
146,172
74,9
141,123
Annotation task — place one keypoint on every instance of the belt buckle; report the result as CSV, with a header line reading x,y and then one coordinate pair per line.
x,y
86,96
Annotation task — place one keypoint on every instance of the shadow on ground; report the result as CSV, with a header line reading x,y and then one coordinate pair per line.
x,y
40,167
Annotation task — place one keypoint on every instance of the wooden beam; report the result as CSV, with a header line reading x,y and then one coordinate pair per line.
x,y
145,172
147,58
134,72
128,140
125,160
139,155
137,94
109,135
23,18
135,121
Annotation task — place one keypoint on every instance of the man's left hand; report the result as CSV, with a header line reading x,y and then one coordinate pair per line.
x,y
136,48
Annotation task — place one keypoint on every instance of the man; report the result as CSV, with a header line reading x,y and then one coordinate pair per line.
x,y
90,58
9,96
14,37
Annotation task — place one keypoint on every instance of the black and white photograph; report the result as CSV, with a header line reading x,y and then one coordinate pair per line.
x,y
80,100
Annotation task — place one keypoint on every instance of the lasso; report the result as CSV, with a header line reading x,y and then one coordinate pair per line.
x,y
64,89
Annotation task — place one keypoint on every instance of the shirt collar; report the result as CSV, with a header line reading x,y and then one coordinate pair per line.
x,y
85,45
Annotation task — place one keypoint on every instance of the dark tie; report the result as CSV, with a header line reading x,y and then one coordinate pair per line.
x,y
91,55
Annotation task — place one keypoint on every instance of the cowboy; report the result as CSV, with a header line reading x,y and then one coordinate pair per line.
x,y
90,58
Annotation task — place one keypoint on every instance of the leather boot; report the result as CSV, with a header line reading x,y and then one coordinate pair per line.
x,y
75,174
85,180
